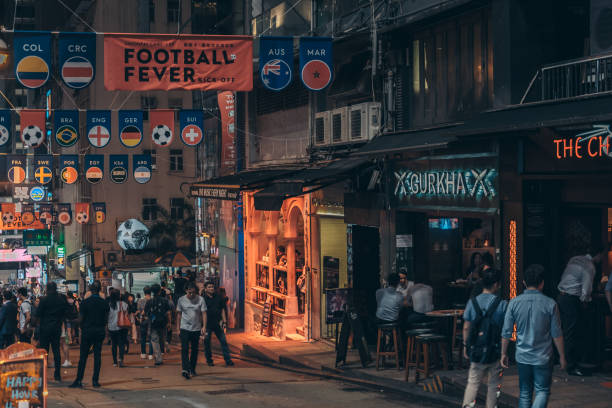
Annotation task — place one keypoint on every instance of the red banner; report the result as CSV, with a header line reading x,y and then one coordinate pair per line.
x,y
161,123
32,124
226,101
142,62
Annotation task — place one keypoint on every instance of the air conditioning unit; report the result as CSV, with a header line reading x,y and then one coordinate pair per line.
x,y
322,129
364,121
339,125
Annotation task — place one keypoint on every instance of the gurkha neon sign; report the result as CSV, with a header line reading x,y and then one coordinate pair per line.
x,y
590,144
475,184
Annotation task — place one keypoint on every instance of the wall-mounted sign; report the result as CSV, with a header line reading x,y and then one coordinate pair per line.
x,y
60,256
17,255
222,193
476,184
23,373
37,237
590,144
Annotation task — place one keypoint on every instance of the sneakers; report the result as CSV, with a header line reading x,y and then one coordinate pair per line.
x,y
193,373
186,374
78,384
67,363
95,384
229,363
150,357
120,363
143,356
210,363
114,364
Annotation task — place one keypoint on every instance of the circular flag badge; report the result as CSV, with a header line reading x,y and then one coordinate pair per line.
x,y
37,193
16,175
130,136
32,71
32,136
142,174
98,136
64,218
69,175
66,136
77,72
276,74
118,175
94,175
4,135
43,175
27,218
191,135
316,75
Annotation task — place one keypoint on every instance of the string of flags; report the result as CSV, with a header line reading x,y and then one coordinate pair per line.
x,y
66,125
69,168
142,62
41,215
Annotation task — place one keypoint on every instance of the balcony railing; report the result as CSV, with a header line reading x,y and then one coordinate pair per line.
x,y
585,76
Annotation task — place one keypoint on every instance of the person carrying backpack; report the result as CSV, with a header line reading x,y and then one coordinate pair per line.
x,y
483,322
157,311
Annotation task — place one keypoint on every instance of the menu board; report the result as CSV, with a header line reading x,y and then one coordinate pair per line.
x,y
22,377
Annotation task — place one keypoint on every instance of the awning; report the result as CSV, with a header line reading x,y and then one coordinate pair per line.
x,y
511,119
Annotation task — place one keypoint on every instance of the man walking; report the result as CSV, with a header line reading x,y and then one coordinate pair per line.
x,y
8,320
93,318
157,311
482,323
537,326
215,323
25,316
574,295
51,313
144,324
191,314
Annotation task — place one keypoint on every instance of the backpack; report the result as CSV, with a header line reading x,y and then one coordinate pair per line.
x,y
157,312
484,339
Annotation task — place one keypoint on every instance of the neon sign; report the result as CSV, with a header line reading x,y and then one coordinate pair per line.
x,y
471,183
592,143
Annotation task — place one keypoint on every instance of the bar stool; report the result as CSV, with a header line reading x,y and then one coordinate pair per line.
x,y
426,344
410,347
393,330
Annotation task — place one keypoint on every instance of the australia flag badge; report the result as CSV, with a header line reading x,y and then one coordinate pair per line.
x,y
276,62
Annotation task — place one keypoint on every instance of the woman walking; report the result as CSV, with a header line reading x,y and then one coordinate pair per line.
x,y
115,332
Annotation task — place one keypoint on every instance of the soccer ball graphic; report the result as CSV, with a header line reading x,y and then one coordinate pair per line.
x,y
7,218
82,217
4,135
162,135
32,136
132,234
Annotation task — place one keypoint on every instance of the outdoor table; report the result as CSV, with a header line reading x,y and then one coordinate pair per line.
x,y
451,316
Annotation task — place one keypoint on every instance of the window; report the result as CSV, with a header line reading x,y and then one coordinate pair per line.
x,y
173,11
147,103
153,154
151,11
175,103
177,206
149,209
176,160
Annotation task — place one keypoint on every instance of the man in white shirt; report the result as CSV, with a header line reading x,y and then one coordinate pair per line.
x,y
404,284
574,293
25,314
420,296
191,310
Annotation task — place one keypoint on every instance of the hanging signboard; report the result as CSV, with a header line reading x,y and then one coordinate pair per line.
x,y
98,127
221,193
226,101
5,129
32,57
276,62
23,375
143,62
37,237
118,164
316,62
77,58
192,127
66,127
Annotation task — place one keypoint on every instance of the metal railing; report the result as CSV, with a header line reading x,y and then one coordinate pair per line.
x,y
585,76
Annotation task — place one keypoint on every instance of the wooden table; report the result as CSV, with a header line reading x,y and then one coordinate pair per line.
x,y
453,315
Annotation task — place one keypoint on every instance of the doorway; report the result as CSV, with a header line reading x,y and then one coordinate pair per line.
x,y
366,275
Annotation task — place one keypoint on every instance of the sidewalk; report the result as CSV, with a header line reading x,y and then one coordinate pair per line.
x,y
320,356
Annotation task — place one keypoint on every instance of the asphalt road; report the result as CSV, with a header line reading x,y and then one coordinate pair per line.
x,y
247,385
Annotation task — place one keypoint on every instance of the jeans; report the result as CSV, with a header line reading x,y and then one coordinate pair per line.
x,y
157,338
189,339
534,377
25,337
476,374
51,336
117,341
89,339
144,340
221,337
572,321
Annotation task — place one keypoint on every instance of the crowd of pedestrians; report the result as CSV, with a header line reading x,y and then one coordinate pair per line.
x,y
56,321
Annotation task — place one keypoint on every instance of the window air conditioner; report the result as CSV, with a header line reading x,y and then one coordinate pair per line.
x,y
322,129
364,121
339,125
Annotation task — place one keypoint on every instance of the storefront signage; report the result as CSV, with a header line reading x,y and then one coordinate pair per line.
x,y
17,255
589,144
37,237
23,376
221,193
478,184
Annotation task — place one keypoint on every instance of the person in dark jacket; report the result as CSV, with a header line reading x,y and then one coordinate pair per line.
x,y
93,319
8,320
51,313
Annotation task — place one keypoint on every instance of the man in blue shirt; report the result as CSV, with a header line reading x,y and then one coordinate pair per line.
x,y
537,326
490,284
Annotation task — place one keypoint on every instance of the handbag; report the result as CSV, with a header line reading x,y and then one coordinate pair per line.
x,y
123,321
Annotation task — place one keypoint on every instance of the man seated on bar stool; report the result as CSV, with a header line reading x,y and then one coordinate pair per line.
x,y
389,304
420,297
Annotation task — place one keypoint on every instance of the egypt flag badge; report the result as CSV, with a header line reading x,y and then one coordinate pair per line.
x,y
77,58
64,213
99,210
32,58
98,127
130,128
82,213
69,168
94,168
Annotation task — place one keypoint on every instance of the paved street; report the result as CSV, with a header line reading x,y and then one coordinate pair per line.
x,y
140,384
